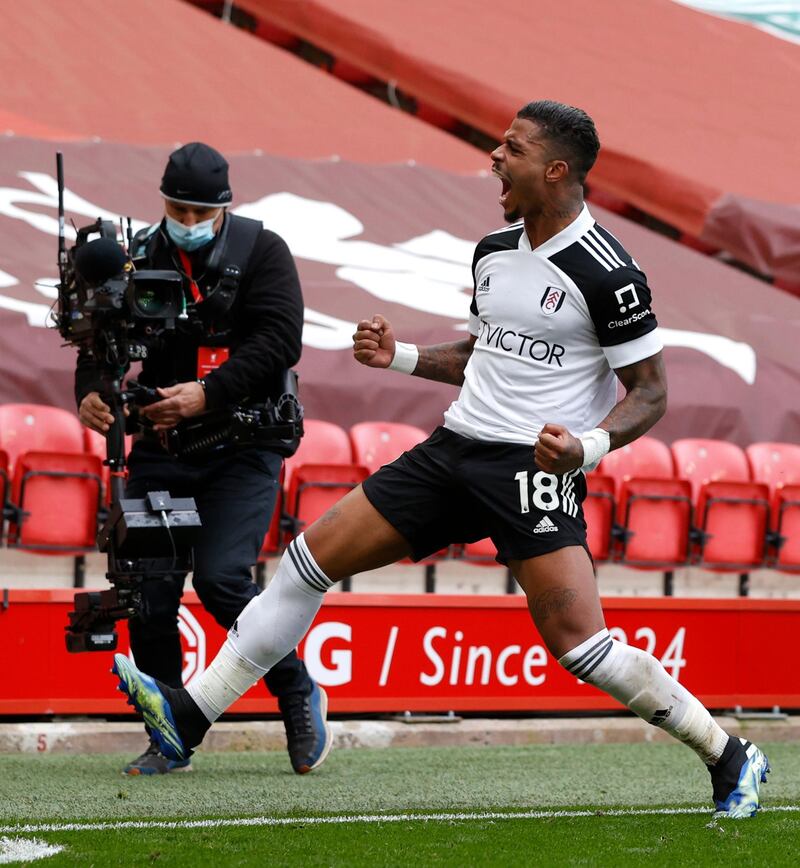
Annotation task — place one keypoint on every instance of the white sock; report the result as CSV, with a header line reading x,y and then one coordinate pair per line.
x,y
269,626
638,680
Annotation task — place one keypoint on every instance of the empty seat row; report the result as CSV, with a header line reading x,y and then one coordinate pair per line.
x,y
702,502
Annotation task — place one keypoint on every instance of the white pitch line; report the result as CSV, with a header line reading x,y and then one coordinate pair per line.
x,y
26,850
477,816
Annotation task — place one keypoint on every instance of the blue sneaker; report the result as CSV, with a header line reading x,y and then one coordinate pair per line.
x,y
308,736
153,762
737,777
144,694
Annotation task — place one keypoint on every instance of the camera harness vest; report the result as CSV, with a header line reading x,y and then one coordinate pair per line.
x,y
278,427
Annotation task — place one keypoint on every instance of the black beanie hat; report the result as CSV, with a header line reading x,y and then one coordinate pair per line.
x,y
197,175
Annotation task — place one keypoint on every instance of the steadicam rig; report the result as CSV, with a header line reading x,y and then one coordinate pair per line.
x,y
113,313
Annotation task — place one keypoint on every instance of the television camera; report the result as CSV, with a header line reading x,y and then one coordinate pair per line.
x,y
113,311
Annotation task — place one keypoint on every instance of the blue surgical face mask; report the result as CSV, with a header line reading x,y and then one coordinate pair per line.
x,y
190,237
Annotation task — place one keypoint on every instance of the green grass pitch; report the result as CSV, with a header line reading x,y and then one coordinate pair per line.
x,y
297,820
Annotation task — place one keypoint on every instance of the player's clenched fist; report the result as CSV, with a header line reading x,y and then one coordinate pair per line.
x,y
557,451
373,342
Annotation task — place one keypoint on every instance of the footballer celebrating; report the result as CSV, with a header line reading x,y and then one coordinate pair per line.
x,y
560,312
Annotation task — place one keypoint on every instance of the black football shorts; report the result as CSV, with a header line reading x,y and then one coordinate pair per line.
x,y
451,489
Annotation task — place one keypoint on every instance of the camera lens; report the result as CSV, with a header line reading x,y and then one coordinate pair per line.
x,y
150,300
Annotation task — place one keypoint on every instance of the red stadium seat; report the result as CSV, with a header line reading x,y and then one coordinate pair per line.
x,y
313,479
645,457
379,443
272,540
37,428
5,484
654,518
481,552
778,465
653,509
322,443
598,510
731,511
703,461
785,553
315,488
59,496
57,488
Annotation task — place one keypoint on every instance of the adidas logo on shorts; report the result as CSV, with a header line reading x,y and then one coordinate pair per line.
x,y
545,526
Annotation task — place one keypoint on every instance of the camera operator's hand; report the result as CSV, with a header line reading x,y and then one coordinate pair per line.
x,y
374,343
94,413
180,402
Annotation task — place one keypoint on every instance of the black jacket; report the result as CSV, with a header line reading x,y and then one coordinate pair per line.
x,y
267,318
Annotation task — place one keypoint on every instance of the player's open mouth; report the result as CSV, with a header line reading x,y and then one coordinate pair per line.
x,y
505,191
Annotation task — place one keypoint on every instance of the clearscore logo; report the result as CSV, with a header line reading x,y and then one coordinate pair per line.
x,y
621,323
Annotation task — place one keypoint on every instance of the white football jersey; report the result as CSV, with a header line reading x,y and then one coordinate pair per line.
x,y
552,324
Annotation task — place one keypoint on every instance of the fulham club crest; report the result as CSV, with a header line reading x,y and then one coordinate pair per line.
x,y
552,300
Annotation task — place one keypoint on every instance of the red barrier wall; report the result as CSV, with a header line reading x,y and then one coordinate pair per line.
x,y
386,653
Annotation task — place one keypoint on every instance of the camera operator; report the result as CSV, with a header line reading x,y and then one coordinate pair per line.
x,y
220,354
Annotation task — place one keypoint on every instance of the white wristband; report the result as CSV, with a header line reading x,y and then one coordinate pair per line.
x,y
405,358
596,444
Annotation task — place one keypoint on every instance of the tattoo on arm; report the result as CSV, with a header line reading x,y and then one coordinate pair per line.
x,y
552,601
644,403
444,363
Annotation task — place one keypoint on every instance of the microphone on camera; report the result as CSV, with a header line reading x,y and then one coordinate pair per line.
x,y
99,260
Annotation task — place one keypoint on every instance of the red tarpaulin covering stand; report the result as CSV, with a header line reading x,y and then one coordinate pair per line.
x,y
697,115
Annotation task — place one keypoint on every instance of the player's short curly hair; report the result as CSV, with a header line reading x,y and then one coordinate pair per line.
x,y
570,131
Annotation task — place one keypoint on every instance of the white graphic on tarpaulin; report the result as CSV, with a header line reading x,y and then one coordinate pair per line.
x,y
47,197
781,18
430,272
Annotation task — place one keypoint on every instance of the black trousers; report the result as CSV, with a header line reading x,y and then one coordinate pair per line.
x,y
235,495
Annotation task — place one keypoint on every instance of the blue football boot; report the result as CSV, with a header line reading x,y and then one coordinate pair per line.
x,y
308,735
149,699
737,777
